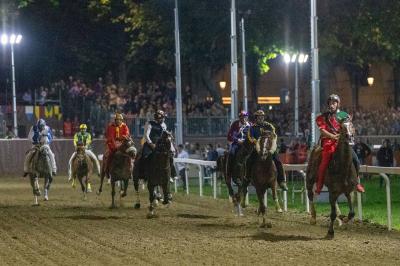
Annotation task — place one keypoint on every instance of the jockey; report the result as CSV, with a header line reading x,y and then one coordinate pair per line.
x,y
85,139
152,133
329,126
114,133
237,132
40,135
256,129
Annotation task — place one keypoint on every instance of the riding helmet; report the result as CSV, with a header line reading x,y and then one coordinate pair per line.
x,y
259,113
83,126
159,114
118,116
243,113
333,97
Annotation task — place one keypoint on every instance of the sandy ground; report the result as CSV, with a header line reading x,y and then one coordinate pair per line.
x,y
69,231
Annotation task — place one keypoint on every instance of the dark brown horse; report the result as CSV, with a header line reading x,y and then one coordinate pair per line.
x,y
340,178
262,172
158,170
82,168
121,167
236,172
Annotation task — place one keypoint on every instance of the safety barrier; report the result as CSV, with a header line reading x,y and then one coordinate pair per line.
x,y
382,171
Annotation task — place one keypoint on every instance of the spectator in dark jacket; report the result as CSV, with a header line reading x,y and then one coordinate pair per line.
x,y
362,150
385,156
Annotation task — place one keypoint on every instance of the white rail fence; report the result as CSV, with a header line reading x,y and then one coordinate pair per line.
x,y
301,168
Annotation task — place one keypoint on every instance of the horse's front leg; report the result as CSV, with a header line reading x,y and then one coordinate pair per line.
x,y
261,206
47,182
151,213
332,201
313,213
166,193
112,193
101,179
351,214
35,188
275,198
244,191
125,188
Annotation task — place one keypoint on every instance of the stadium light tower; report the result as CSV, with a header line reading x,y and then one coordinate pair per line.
x,y
297,59
179,119
12,39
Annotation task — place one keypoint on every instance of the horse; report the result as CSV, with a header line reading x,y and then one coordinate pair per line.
x,y
236,172
340,178
158,170
82,168
121,167
41,168
262,173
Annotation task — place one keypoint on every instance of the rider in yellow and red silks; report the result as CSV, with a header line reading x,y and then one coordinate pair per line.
x,y
114,134
329,126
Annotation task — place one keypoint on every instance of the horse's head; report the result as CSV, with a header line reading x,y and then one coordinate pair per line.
x,y
265,144
128,147
347,130
163,144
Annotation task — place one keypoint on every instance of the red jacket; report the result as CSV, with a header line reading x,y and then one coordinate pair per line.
x,y
114,133
236,131
333,128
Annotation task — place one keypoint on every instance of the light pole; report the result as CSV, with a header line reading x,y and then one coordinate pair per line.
x,y
234,66
314,72
179,119
12,39
297,59
244,64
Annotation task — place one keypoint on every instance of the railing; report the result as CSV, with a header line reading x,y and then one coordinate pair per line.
x,y
382,171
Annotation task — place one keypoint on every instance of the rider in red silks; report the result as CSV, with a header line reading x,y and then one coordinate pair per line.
x,y
329,126
115,133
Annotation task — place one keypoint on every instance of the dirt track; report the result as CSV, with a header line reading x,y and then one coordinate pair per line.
x,y
68,231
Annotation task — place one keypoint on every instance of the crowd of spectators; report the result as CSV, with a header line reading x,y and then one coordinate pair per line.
x,y
93,104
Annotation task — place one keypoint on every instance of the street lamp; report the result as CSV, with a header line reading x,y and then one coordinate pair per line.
x,y
296,58
12,39
222,84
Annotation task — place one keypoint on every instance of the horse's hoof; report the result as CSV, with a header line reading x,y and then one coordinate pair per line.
x,y
46,198
262,225
98,192
123,194
279,210
269,225
313,221
136,206
151,215
113,207
35,204
330,235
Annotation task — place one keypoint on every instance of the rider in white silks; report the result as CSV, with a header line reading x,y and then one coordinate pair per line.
x,y
40,134
86,139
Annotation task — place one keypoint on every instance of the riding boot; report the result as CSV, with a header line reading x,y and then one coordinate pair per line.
x,y
280,175
173,170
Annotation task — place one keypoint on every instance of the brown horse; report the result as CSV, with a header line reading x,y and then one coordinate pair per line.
x,y
262,173
82,168
236,172
340,178
121,167
158,170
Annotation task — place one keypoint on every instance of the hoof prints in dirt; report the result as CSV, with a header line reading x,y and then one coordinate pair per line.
x,y
277,238
92,217
195,216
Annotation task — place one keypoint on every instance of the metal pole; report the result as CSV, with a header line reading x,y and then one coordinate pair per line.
x,y
315,72
234,67
244,65
179,120
13,92
296,100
